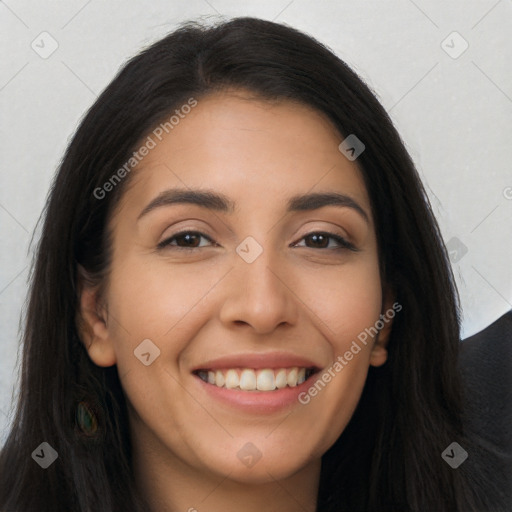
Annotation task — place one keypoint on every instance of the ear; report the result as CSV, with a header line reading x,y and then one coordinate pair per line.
x,y
92,323
379,353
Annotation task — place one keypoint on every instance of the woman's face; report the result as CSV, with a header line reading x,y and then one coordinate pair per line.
x,y
256,294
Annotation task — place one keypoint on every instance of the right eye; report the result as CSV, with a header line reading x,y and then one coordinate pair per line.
x,y
185,240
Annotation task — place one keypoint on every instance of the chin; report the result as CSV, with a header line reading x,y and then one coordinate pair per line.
x,y
250,465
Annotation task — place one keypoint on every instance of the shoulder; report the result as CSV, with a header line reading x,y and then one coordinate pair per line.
x,y
485,363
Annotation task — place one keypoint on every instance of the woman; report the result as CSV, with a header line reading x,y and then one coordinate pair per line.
x,y
240,298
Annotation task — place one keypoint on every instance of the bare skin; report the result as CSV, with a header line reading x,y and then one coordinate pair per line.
x,y
302,295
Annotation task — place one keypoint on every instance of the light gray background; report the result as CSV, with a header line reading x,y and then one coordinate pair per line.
x,y
454,115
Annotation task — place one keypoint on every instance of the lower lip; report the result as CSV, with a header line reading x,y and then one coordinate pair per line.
x,y
260,402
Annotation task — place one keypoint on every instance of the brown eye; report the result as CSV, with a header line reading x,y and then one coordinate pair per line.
x,y
184,240
322,240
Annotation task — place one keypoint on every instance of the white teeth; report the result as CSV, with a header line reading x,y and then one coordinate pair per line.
x,y
292,377
280,380
219,379
247,379
232,380
265,380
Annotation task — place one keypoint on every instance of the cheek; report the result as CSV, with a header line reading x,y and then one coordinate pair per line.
x,y
347,305
151,300
346,300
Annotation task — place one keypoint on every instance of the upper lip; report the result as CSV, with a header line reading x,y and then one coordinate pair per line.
x,y
271,360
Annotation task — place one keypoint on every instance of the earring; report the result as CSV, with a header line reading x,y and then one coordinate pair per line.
x,y
86,419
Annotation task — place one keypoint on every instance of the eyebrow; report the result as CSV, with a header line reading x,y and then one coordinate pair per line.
x,y
221,203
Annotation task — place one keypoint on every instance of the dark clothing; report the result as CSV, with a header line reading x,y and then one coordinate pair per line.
x,y
486,366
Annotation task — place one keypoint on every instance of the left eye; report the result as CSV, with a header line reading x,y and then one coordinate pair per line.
x,y
191,240
320,238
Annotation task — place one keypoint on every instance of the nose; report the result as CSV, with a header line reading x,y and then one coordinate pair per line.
x,y
259,295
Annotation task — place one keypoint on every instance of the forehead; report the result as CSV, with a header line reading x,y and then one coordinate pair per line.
x,y
249,149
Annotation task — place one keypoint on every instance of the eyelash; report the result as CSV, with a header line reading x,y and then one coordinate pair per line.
x,y
344,244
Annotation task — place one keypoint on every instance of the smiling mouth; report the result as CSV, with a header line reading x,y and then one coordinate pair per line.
x,y
248,379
